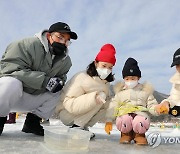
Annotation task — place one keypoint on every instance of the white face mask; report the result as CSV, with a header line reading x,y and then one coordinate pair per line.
x,y
103,72
131,84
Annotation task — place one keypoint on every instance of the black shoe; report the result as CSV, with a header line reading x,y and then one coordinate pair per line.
x,y
32,125
2,122
92,134
74,126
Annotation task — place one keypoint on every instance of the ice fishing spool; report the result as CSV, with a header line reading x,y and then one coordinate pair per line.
x,y
175,111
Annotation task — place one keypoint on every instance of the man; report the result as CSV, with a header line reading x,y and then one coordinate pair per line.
x,y
33,71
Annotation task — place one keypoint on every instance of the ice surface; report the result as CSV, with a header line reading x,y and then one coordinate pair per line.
x,y
13,141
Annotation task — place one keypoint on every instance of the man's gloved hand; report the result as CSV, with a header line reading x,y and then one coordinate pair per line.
x,y
108,127
54,85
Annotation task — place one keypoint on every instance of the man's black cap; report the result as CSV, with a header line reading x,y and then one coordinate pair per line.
x,y
176,58
64,28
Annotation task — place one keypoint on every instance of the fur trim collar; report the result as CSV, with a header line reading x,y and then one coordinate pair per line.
x,y
119,86
175,79
147,87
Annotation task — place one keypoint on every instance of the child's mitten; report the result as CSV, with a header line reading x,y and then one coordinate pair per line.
x,y
108,127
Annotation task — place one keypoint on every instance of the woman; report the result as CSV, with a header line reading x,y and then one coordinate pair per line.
x,y
84,98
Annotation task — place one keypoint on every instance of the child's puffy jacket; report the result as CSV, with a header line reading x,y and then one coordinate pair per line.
x,y
139,100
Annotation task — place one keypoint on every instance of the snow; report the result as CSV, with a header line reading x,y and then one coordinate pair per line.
x,y
13,141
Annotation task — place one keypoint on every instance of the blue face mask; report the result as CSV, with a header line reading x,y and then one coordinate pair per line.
x,y
59,49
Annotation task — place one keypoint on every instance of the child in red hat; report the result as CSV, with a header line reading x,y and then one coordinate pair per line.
x,y
84,98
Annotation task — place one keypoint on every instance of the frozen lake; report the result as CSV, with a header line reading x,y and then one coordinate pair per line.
x,y
13,141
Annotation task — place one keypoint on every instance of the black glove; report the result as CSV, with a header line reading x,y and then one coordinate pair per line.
x,y
175,111
54,85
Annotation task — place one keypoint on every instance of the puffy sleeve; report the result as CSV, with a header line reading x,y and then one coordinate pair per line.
x,y
77,101
112,109
151,103
174,97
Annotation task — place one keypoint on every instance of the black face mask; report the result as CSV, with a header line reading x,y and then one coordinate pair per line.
x,y
59,49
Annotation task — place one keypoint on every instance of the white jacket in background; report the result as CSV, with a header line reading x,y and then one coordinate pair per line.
x,y
174,98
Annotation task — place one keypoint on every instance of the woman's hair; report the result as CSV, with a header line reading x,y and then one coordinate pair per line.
x,y
91,71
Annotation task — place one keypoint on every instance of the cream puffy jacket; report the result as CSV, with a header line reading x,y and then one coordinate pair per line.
x,y
174,98
79,94
141,96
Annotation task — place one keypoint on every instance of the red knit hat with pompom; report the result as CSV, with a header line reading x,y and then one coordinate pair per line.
x,y
107,54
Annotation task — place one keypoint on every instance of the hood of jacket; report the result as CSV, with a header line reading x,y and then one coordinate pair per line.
x,y
43,39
